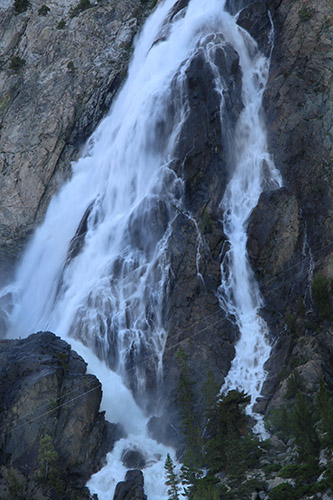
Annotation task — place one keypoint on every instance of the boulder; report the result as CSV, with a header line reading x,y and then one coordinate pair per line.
x,y
133,459
131,488
48,400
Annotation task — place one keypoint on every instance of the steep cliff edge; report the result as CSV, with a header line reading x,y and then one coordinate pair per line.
x,y
60,66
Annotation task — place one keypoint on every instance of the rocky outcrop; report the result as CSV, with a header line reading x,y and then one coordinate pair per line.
x,y
255,20
60,66
131,488
49,418
196,236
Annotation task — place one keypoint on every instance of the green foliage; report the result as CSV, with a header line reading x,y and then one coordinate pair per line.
x,y
62,356
228,445
15,486
206,488
210,389
321,288
48,466
298,361
304,476
325,405
80,7
47,457
171,479
44,10
327,22
271,468
21,5
305,13
291,322
61,25
207,220
283,491
294,384
303,427
189,423
278,422
190,477
300,306
16,63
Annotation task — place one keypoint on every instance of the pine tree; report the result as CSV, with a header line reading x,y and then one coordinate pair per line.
x,y
189,419
172,479
303,427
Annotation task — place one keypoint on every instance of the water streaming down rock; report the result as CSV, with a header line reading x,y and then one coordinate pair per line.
x,y
254,172
97,269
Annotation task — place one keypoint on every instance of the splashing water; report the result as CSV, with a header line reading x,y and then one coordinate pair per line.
x,y
96,270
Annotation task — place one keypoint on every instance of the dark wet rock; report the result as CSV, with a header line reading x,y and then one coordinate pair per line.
x,y
132,488
133,459
202,157
192,313
234,6
163,431
255,20
299,107
46,393
77,241
273,232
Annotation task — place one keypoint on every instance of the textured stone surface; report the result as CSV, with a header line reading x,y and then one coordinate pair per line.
x,y
193,315
291,230
131,488
299,107
51,104
45,391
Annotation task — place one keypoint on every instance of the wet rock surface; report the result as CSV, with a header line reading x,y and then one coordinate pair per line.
x,y
255,20
47,397
194,317
131,488
298,105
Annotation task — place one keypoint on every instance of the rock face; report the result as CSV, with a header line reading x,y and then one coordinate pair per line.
x,y
290,231
47,397
59,70
193,313
131,488
55,89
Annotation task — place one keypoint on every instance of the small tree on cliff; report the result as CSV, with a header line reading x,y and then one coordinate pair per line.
x,y
189,420
171,479
47,457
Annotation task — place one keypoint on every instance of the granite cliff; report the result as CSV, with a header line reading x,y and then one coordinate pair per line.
x,y
60,69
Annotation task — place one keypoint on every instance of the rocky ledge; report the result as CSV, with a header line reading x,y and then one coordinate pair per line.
x,y
53,436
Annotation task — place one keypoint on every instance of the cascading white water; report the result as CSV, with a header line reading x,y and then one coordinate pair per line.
x,y
106,283
253,172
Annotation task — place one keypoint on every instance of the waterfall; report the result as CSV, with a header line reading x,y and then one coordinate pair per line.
x,y
254,171
96,270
